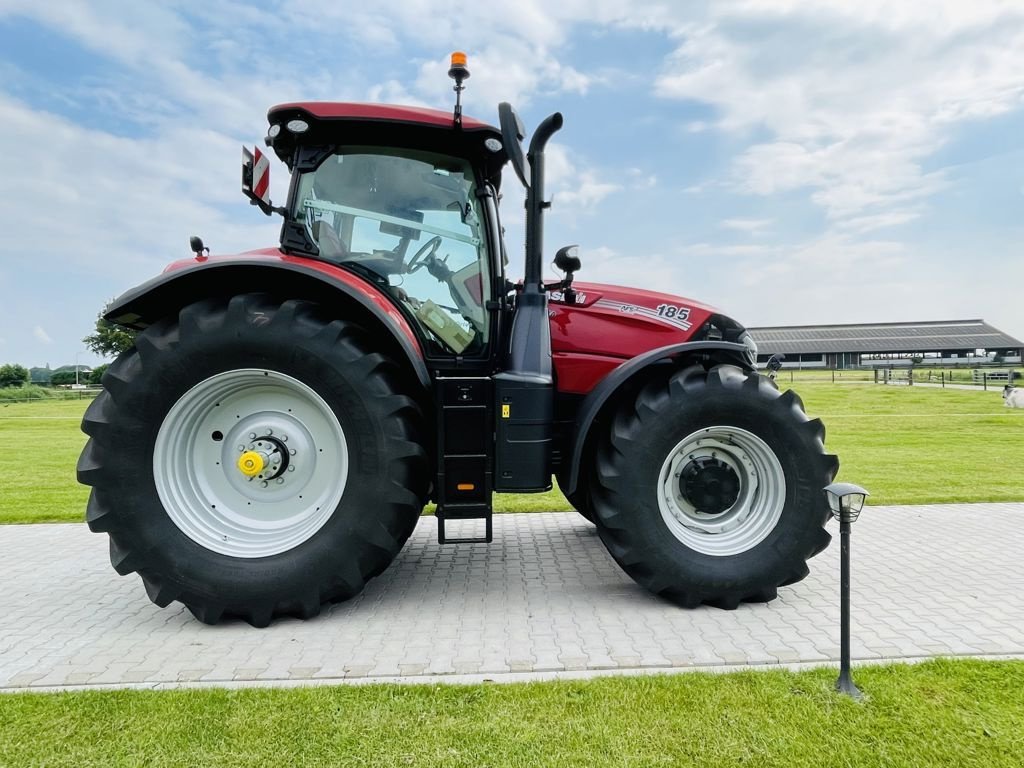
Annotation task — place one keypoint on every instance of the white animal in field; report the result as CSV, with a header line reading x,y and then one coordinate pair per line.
x,y
1014,397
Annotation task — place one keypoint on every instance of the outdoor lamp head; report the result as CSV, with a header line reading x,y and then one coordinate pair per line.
x,y
846,500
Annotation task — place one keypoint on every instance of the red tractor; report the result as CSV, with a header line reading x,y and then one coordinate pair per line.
x,y
270,441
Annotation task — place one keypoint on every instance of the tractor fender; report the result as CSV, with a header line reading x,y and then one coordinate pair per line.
x,y
604,394
169,292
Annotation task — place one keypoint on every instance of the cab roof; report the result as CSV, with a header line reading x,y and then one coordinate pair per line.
x,y
394,113
385,125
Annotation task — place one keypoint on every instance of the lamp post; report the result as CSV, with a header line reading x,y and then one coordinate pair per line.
x,y
76,368
846,501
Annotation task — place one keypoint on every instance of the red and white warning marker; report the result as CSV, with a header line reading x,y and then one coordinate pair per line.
x,y
256,175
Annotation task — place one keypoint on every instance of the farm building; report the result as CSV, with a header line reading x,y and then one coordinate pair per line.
x,y
937,342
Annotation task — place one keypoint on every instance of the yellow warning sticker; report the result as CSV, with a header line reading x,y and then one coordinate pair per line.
x,y
506,411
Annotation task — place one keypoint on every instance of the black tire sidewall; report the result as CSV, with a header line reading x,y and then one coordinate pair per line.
x,y
281,347
773,421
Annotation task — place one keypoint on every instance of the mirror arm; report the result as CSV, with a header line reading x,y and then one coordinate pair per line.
x,y
268,208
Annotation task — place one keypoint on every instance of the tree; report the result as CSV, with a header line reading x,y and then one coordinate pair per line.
x,y
63,378
97,373
110,339
13,375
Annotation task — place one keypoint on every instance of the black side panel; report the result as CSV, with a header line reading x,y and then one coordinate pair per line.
x,y
524,401
601,395
530,342
524,416
167,293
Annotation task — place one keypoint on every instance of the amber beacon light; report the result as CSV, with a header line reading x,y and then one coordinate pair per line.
x,y
458,72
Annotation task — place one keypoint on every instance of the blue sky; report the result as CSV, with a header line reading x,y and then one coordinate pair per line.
x,y
790,161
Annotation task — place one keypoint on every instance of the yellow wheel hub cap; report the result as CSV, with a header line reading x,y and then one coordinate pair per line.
x,y
250,463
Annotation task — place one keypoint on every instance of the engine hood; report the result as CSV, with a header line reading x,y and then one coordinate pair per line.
x,y
622,322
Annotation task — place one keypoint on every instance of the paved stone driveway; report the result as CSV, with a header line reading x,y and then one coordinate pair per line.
x,y
544,597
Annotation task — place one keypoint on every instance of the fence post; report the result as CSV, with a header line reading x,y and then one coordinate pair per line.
x,y
943,376
984,381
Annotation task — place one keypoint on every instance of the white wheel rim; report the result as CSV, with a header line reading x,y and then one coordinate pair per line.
x,y
758,505
196,463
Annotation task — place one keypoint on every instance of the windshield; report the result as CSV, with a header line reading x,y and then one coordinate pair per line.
x,y
411,222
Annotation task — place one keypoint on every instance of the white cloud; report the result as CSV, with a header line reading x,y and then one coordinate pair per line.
x,y
576,186
855,97
41,335
750,226
638,179
892,218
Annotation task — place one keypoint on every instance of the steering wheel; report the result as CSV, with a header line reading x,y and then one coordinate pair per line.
x,y
423,255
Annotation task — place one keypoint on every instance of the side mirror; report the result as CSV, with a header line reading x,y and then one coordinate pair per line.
x,y
196,244
512,134
567,259
256,179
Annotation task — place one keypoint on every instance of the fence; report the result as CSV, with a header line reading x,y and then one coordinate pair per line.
x,y
981,378
41,395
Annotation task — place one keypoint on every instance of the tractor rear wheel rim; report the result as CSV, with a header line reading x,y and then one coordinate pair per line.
x,y
736,456
250,463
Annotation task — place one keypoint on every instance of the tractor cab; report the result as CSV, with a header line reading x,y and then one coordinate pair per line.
x,y
404,197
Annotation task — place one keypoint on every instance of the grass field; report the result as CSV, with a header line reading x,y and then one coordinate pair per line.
x,y
907,445
968,714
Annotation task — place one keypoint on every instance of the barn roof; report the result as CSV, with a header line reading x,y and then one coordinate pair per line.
x,y
930,336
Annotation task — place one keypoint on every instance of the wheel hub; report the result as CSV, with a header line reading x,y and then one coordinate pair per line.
x,y
266,458
251,463
711,485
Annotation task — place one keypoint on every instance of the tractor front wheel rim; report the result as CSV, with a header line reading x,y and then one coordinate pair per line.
x,y
754,495
250,463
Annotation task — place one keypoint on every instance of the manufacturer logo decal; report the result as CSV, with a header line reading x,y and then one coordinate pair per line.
x,y
581,298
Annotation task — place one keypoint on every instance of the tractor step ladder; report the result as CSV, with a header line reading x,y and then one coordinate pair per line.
x,y
464,512
464,438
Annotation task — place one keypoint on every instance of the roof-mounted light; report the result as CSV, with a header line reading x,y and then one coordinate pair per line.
x,y
458,72
275,129
457,69
297,126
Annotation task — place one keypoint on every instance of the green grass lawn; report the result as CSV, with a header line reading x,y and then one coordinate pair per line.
x,y
906,445
41,442
917,445
942,713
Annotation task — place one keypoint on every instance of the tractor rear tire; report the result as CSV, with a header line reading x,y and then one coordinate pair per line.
x,y
708,487
253,457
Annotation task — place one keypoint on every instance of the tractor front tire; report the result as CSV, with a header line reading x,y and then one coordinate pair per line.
x,y
708,487
579,499
253,457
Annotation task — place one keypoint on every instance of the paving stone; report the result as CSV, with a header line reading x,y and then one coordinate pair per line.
x,y
545,596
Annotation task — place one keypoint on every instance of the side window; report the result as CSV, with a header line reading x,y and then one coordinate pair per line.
x,y
413,223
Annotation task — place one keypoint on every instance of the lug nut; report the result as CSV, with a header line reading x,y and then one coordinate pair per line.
x,y
284,438
270,431
291,469
280,480
252,435
264,483
291,451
